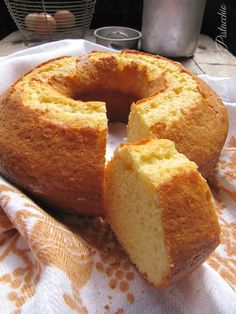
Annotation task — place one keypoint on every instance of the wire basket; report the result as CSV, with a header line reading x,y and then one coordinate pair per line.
x,y
46,20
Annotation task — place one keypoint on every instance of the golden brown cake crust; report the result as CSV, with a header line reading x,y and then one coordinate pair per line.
x,y
54,162
50,160
187,213
190,224
111,77
202,131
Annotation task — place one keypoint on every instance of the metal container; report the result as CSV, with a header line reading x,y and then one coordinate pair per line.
x,y
171,27
118,37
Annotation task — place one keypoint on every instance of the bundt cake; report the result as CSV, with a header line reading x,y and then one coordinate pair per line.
x,y
53,123
161,209
51,145
167,101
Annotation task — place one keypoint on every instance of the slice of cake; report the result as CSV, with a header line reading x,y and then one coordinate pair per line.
x,y
161,210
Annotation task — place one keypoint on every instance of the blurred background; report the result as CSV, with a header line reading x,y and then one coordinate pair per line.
x,y
129,13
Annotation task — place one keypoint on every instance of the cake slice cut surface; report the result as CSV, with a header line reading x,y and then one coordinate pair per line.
x,y
161,210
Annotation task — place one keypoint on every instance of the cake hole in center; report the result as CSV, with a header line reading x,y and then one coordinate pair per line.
x,y
117,103
118,106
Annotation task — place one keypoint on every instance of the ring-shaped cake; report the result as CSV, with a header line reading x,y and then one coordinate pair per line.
x,y
54,126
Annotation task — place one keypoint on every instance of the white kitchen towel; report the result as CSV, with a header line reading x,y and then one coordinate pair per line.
x,y
66,264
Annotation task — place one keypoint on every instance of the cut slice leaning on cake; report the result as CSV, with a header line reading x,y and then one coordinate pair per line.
x,y
161,210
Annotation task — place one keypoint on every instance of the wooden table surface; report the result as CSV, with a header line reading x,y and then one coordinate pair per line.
x,y
209,58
